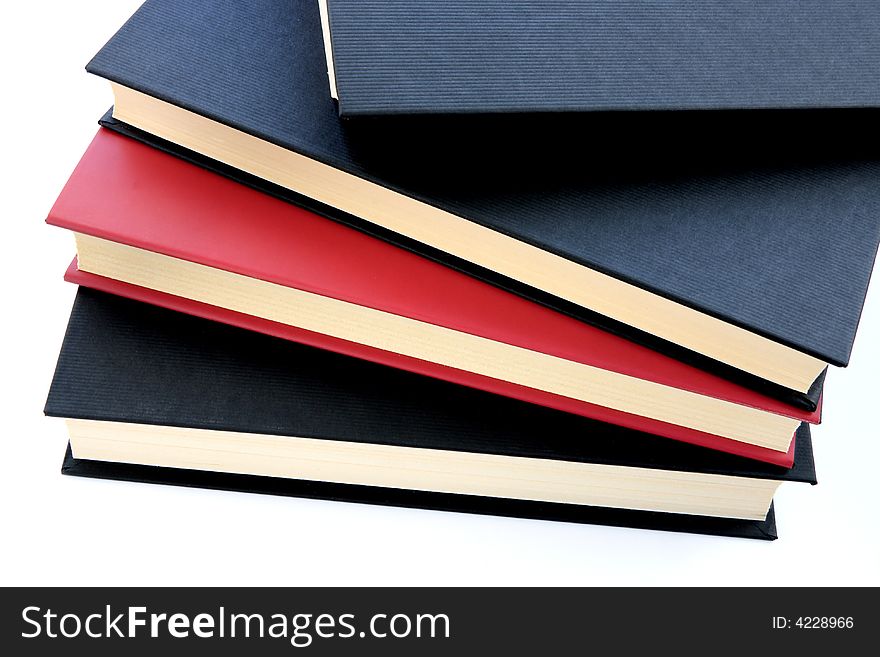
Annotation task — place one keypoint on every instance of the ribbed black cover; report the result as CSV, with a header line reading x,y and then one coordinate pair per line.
x,y
130,362
762,530
766,220
126,361
473,56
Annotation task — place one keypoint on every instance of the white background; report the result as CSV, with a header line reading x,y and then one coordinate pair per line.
x,y
65,530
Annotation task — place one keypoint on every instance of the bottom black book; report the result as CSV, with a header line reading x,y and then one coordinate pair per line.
x,y
154,395
674,522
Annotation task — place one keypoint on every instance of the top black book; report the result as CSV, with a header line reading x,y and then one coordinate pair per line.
x,y
741,242
494,56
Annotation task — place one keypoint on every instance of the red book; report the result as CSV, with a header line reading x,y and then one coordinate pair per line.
x,y
129,194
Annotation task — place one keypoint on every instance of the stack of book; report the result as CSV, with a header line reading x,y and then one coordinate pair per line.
x,y
585,262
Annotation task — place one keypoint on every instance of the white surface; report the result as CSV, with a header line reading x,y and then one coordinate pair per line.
x,y
64,530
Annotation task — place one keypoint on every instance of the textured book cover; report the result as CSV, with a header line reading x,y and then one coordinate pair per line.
x,y
156,202
765,220
123,361
494,56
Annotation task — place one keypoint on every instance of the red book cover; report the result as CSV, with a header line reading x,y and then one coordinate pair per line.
x,y
132,194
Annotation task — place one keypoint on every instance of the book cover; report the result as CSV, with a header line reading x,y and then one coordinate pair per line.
x,y
392,57
764,221
123,361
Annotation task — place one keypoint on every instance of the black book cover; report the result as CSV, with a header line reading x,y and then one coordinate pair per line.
x,y
461,56
125,361
766,220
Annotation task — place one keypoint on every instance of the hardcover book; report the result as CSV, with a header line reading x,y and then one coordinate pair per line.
x,y
498,56
741,242
155,395
171,233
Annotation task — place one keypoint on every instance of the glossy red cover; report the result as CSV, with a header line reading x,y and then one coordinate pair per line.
x,y
133,194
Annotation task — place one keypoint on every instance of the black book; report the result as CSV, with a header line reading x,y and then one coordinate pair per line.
x,y
154,395
461,56
740,242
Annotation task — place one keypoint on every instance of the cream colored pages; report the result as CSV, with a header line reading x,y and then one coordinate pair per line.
x,y
410,468
465,239
432,343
